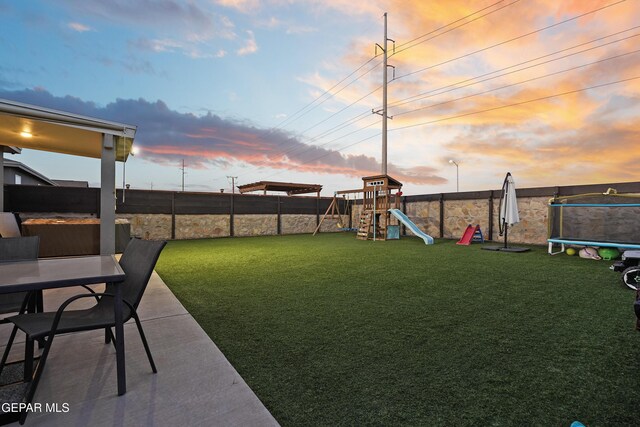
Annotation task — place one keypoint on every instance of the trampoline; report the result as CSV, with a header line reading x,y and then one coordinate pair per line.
x,y
594,219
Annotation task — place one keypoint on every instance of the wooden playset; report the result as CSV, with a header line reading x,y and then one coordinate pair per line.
x,y
381,193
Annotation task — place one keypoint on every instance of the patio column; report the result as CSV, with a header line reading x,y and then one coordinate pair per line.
x,y
108,196
1,178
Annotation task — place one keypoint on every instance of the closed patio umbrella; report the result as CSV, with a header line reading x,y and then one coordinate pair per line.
x,y
508,214
508,205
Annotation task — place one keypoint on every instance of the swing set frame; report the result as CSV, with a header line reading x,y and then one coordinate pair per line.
x,y
334,208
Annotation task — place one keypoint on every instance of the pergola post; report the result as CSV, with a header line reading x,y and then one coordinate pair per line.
x,y
108,196
1,178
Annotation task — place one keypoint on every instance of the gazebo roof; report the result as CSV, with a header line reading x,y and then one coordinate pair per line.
x,y
288,187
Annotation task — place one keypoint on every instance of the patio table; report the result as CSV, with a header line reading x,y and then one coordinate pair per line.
x,y
65,272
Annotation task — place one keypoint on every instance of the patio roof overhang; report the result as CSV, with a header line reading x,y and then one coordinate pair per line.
x,y
39,128
10,150
289,187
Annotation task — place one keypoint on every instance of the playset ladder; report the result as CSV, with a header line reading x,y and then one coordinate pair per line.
x,y
365,225
478,236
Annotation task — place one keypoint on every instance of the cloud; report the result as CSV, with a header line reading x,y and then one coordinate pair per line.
x,y
181,27
243,6
156,45
602,151
152,13
166,136
300,29
542,139
80,28
250,46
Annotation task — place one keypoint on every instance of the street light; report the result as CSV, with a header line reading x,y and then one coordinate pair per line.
x,y
453,162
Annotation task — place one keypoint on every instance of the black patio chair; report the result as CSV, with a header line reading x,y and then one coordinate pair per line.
x,y
19,249
9,226
137,261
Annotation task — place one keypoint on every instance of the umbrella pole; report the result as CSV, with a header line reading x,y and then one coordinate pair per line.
x,y
505,226
506,231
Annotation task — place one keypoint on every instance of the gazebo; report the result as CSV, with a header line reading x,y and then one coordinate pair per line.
x,y
290,188
38,128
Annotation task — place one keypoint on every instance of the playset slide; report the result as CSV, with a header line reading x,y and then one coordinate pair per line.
x,y
467,236
428,240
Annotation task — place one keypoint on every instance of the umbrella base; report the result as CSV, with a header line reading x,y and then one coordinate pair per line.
x,y
507,249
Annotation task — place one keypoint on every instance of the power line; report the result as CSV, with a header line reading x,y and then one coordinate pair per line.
x,y
315,147
359,117
340,126
337,84
300,113
331,130
515,104
516,84
334,129
343,109
410,41
454,28
363,115
331,152
455,86
510,40
450,23
326,99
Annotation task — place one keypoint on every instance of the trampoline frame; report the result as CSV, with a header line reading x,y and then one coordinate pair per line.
x,y
553,202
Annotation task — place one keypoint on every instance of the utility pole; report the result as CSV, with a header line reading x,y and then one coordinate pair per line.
x,y
183,173
383,112
233,183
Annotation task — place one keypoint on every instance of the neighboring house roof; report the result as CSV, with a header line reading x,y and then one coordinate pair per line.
x,y
70,183
10,150
26,169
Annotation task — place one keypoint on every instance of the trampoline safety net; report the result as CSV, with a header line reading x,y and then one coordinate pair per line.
x,y
607,218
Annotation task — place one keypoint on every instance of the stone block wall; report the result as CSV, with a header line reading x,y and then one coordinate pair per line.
x,y
255,225
297,224
201,226
459,214
532,227
426,215
149,226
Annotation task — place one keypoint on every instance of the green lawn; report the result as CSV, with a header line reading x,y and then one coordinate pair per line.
x,y
330,330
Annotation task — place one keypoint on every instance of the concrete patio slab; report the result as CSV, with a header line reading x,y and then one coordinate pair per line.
x,y
195,384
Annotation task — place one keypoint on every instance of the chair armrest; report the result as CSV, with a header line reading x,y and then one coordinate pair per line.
x,y
64,305
92,291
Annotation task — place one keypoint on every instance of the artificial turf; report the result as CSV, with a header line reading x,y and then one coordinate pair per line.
x,y
330,330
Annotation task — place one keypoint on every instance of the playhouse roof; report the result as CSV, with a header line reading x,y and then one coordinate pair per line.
x,y
394,183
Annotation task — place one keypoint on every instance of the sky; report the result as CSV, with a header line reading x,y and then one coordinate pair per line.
x,y
286,90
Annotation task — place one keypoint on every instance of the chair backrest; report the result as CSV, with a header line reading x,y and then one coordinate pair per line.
x,y
16,249
138,261
19,248
9,225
